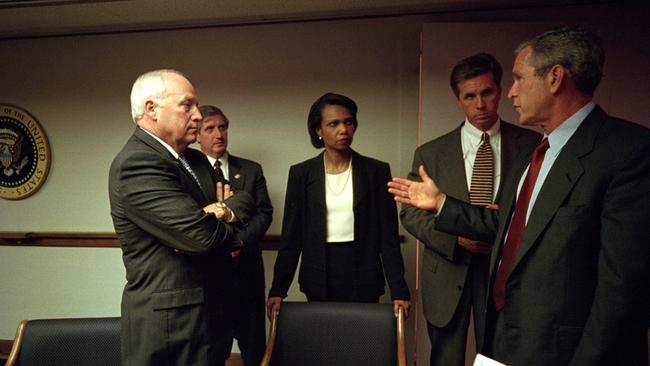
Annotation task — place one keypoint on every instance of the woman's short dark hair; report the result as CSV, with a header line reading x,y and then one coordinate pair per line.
x,y
315,116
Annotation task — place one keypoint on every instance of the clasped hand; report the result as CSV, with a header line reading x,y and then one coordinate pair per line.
x,y
219,208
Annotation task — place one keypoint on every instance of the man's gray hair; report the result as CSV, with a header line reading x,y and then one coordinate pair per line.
x,y
148,85
211,111
580,52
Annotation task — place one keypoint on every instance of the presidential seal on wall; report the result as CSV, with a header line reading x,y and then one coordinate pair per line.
x,y
24,153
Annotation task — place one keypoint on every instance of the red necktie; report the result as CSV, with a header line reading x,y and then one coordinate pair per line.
x,y
517,225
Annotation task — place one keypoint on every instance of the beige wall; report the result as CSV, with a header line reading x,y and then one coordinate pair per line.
x,y
265,77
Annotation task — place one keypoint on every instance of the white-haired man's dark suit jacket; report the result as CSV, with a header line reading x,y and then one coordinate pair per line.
x,y
171,249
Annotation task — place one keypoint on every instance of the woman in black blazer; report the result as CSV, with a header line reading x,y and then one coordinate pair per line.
x,y
339,215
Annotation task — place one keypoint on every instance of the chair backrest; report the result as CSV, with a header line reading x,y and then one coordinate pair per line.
x,y
54,342
330,333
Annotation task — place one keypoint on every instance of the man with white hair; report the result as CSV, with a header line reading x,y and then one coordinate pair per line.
x,y
174,229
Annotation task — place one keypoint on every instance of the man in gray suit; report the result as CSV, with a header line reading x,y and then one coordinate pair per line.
x,y
171,229
454,268
248,298
569,277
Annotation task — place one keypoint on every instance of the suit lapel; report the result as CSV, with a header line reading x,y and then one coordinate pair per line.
x,y
561,179
315,183
452,166
207,183
510,147
359,180
235,176
506,207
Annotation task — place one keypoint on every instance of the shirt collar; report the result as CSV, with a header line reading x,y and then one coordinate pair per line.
x,y
166,145
474,134
223,159
561,135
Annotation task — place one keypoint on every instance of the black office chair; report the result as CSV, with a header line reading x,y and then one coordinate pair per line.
x,y
66,342
330,333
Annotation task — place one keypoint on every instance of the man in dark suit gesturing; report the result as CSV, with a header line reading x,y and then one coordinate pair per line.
x,y
569,270
468,162
248,299
170,228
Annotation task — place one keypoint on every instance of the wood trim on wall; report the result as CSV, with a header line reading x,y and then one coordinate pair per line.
x,y
94,240
97,240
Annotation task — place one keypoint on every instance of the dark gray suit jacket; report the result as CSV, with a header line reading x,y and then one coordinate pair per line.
x,y
170,246
246,176
578,289
375,231
445,263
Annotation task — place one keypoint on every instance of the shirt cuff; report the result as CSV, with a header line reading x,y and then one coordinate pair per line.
x,y
442,206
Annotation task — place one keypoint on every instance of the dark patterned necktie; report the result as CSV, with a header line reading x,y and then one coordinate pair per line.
x,y
187,167
517,225
217,169
482,185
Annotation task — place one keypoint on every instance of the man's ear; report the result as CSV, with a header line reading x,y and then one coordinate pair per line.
x,y
555,77
151,109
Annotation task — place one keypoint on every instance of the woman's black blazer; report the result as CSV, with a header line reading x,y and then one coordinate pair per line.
x,y
375,231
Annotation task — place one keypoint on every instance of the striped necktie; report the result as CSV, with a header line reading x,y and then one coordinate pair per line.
x,y
187,167
482,185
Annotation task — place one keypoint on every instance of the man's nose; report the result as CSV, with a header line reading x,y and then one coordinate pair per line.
x,y
480,103
511,92
196,114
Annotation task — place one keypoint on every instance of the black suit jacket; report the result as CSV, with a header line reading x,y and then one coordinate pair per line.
x,y
578,289
375,231
444,263
170,246
247,176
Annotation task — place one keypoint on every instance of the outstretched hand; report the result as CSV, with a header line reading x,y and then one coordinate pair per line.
x,y
424,195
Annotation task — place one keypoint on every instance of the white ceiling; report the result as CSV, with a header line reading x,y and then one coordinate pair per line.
x,y
34,18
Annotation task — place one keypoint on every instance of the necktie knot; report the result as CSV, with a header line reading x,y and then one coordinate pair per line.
x,y
542,147
485,138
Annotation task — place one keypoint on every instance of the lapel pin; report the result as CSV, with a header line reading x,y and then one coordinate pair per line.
x,y
237,176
